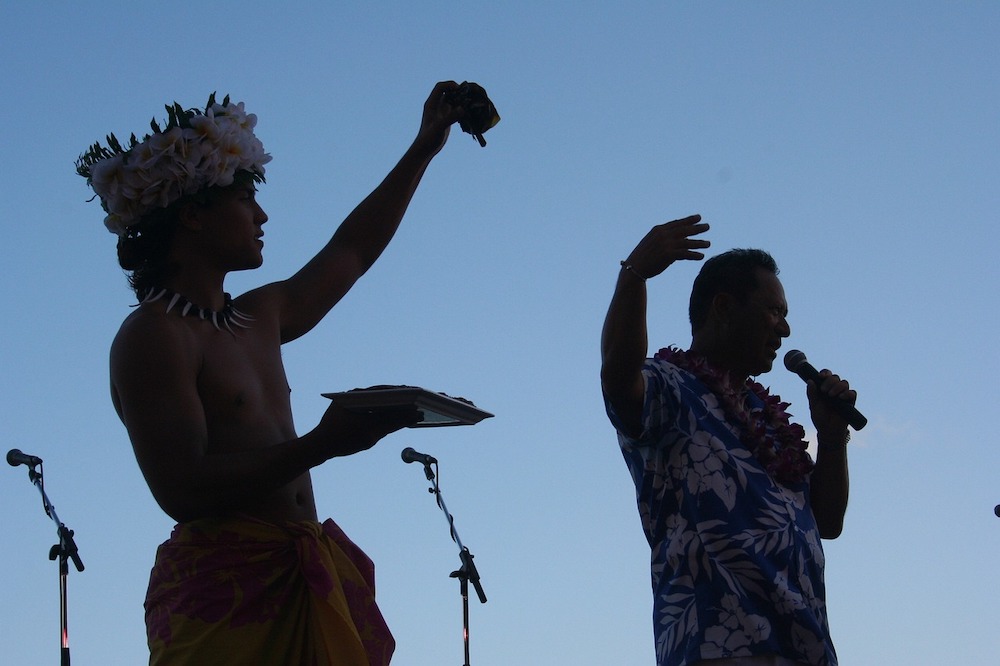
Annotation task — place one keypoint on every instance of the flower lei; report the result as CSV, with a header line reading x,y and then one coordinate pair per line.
x,y
767,432
194,150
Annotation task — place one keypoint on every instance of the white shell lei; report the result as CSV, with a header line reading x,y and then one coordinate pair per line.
x,y
228,317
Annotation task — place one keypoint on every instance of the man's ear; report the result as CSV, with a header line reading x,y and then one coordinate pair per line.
x,y
723,305
190,216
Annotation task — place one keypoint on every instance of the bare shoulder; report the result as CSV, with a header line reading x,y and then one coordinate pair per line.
x,y
148,336
152,353
152,334
272,307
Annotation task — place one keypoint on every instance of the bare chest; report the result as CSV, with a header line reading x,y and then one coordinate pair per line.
x,y
244,391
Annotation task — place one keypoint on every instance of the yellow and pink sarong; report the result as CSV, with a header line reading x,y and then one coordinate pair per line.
x,y
251,592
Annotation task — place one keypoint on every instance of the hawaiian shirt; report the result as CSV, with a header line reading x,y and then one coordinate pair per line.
x,y
736,559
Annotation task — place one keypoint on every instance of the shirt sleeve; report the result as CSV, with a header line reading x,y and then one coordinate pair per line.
x,y
661,400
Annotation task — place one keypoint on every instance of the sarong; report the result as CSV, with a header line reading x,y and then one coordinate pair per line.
x,y
241,592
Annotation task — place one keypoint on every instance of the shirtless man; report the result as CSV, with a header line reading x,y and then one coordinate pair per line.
x,y
205,398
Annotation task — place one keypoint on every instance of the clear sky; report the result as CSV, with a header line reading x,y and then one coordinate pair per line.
x,y
857,141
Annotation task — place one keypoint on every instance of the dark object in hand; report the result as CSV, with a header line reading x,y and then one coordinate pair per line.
x,y
480,114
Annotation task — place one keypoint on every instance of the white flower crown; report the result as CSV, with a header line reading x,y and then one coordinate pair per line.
x,y
196,149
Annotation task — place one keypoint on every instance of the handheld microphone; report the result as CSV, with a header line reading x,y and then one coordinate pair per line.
x,y
409,456
15,458
797,363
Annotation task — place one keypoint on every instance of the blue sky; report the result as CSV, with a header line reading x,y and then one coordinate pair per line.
x,y
856,141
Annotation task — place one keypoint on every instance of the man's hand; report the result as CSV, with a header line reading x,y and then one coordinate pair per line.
x,y
439,116
667,243
824,416
342,432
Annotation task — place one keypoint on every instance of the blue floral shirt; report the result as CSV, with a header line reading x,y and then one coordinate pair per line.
x,y
737,564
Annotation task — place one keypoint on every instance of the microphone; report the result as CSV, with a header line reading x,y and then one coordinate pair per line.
x,y
797,363
409,456
15,458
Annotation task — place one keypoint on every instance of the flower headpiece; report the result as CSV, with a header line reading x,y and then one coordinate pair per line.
x,y
196,149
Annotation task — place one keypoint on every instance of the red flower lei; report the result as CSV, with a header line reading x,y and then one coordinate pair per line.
x,y
782,449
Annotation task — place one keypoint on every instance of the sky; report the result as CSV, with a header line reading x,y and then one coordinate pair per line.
x,y
856,141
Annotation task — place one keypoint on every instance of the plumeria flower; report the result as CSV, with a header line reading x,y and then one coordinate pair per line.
x,y
194,151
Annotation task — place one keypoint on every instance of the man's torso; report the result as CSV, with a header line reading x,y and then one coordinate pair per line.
x,y
244,393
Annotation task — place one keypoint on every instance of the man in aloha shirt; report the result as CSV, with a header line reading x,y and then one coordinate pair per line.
x,y
732,505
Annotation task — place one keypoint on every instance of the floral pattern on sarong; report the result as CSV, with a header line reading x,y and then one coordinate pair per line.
x,y
246,591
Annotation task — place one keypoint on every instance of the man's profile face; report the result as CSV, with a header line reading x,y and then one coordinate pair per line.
x,y
233,224
759,324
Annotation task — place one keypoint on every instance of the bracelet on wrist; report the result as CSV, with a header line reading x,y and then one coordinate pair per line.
x,y
628,267
828,446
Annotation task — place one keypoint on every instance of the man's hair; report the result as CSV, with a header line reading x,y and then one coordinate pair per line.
x,y
143,250
733,272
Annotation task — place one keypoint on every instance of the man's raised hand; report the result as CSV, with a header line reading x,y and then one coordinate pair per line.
x,y
667,243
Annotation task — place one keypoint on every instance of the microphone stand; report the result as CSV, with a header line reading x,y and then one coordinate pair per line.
x,y
467,572
64,550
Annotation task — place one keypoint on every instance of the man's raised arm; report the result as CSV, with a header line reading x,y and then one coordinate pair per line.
x,y
307,296
624,338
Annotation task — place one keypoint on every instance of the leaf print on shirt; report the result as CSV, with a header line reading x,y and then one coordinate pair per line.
x,y
707,469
